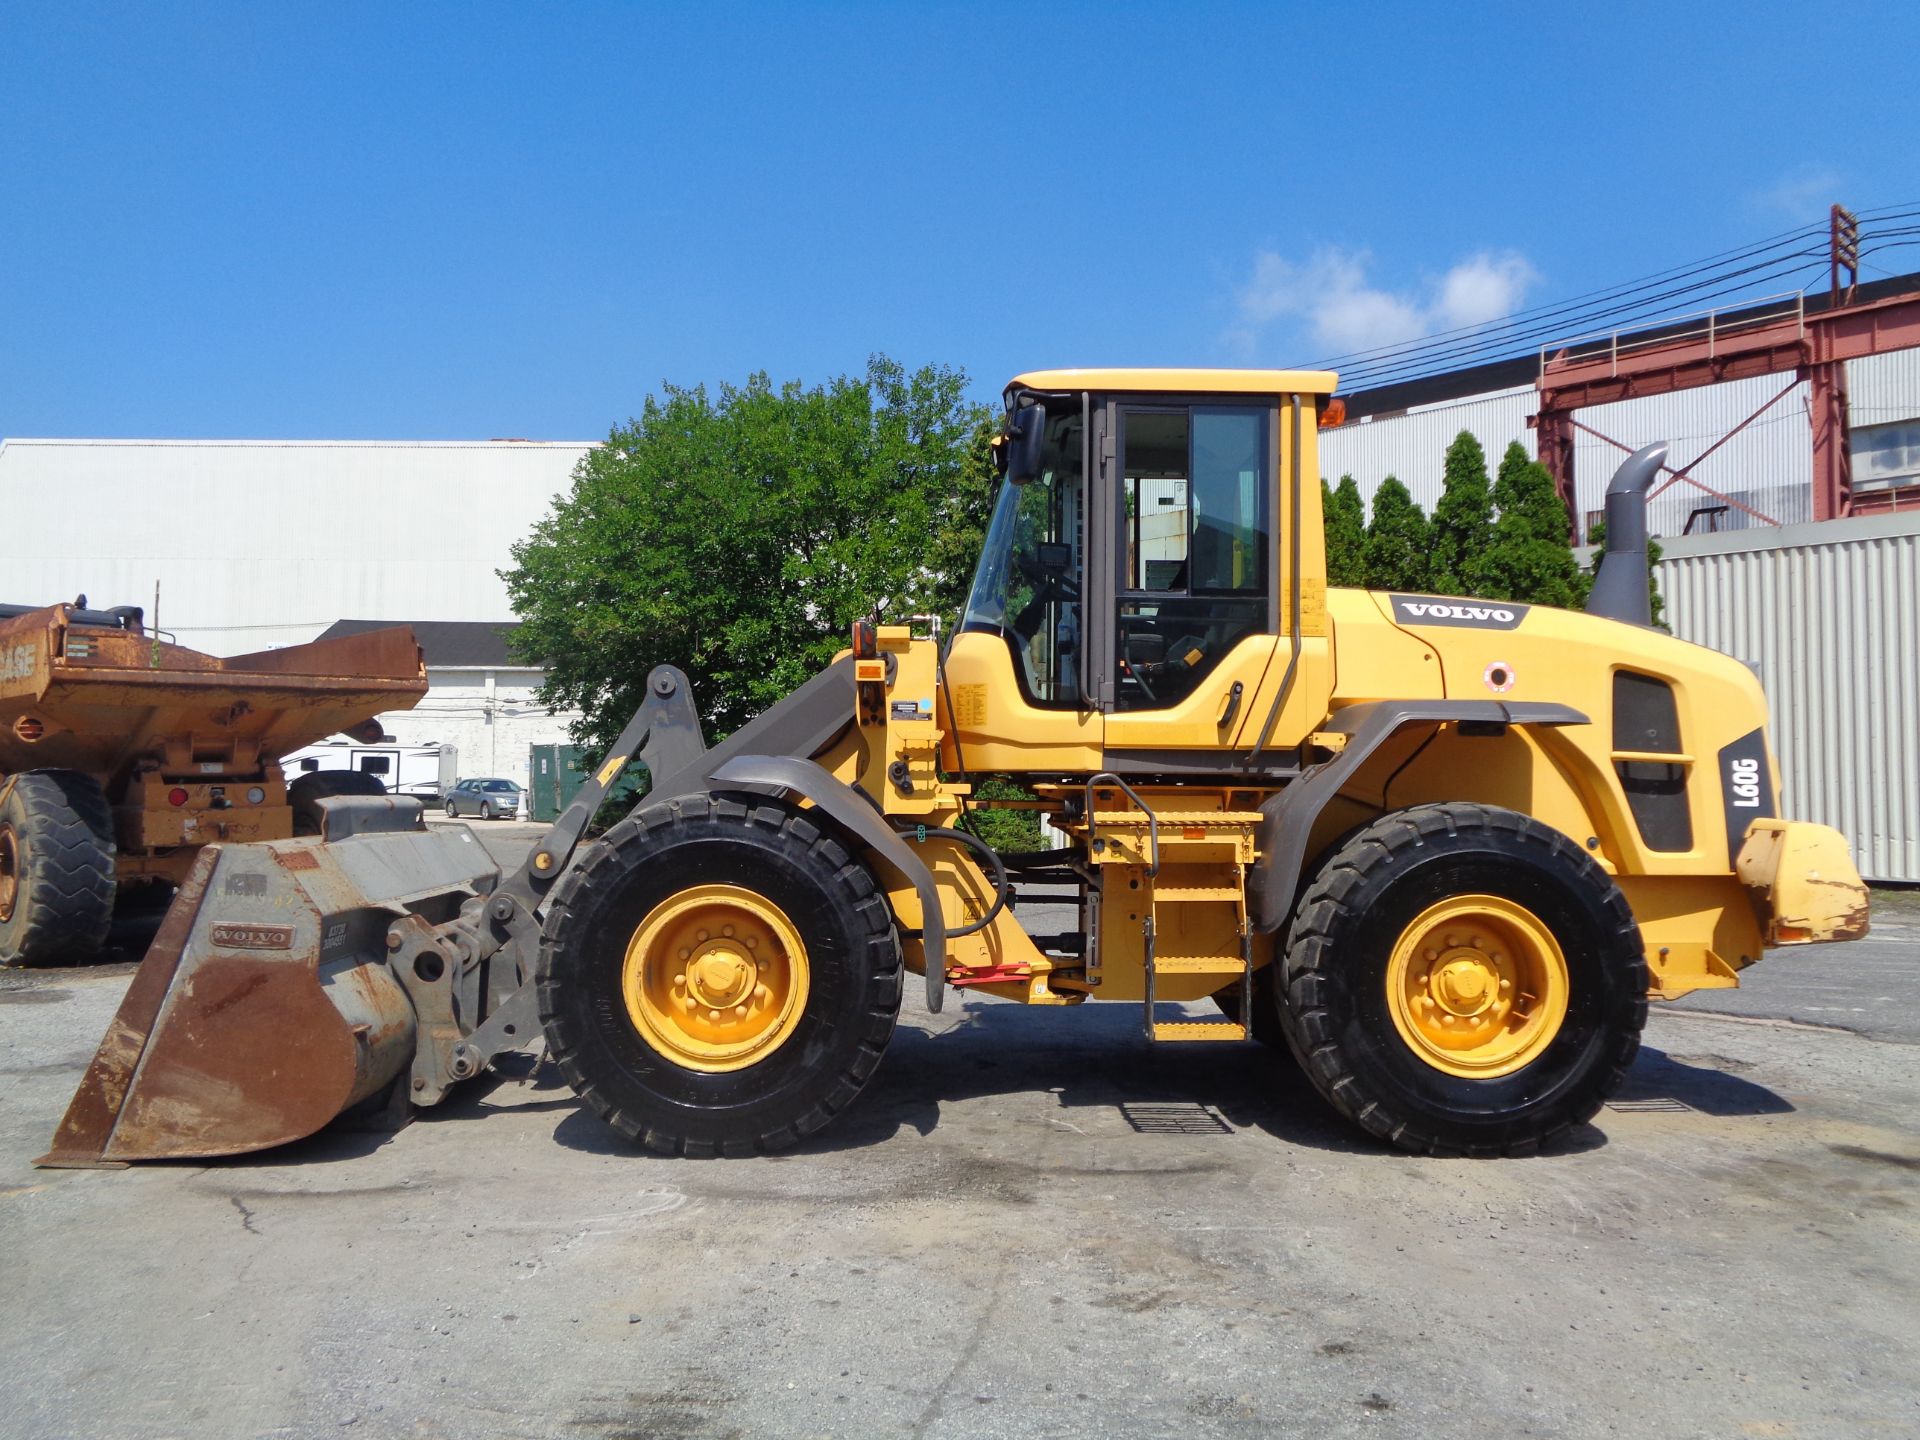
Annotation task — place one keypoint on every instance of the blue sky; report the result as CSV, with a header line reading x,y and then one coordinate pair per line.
x,y
483,220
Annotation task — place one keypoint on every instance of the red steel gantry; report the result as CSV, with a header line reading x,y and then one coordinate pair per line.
x,y
1814,345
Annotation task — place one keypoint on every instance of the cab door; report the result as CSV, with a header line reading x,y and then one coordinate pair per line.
x,y
1199,642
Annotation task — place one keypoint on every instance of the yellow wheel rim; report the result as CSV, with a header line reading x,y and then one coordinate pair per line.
x,y
1477,986
715,978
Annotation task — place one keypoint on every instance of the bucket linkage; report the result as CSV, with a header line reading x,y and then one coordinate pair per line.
x,y
371,968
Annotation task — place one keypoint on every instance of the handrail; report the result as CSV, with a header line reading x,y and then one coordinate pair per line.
x,y
1751,317
1153,823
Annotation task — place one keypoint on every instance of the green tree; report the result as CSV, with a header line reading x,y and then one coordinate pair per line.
x,y
1398,540
739,535
1463,520
1346,527
1005,830
1529,559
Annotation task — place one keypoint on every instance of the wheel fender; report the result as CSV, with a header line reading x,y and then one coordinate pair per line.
x,y
854,814
1286,820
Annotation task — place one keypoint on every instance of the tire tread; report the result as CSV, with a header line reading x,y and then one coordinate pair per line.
x,y
1325,910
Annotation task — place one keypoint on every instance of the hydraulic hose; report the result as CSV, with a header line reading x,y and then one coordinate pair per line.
x,y
1002,885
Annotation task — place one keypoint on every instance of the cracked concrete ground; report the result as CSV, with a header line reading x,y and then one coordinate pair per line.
x,y
1031,1224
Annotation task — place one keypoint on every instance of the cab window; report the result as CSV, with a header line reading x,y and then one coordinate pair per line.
x,y
1027,586
1195,545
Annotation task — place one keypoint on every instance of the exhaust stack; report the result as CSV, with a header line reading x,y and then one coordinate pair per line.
x,y
1620,587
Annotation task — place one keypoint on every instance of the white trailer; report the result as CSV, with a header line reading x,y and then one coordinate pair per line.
x,y
427,771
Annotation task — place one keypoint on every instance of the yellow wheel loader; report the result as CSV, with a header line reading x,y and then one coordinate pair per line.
x,y
1444,850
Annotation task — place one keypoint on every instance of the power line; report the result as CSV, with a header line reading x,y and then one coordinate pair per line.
x,y
1790,257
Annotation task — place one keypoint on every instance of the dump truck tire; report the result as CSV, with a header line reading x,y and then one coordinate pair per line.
x,y
305,793
718,977
56,869
1461,979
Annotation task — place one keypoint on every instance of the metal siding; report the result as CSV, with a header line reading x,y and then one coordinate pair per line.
x,y
1413,447
257,544
1769,465
1884,388
1833,626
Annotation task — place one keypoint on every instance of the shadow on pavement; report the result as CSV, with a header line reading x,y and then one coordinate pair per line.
x,y
1703,1082
1094,1060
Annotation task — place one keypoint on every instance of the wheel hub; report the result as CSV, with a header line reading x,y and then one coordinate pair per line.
x,y
1464,984
715,977
1477,986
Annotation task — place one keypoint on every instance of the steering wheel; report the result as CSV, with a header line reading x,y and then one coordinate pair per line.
x,y
1052,584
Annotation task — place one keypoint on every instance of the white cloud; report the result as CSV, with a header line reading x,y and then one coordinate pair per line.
x,y
1801,195
1484,288
1336,310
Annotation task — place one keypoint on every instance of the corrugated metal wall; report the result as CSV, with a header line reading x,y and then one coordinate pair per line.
x,y
1413,446
1830,616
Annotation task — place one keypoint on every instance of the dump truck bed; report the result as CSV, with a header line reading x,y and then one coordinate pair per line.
x,y
93,699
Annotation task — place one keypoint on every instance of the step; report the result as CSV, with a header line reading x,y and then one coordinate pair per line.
x,y
1172,892
1198,964
1197,1030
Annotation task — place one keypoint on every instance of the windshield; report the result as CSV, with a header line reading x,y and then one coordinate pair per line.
x,y
498,785
1027,587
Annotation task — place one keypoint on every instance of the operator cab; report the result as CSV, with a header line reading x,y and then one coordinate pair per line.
x,y
1134,559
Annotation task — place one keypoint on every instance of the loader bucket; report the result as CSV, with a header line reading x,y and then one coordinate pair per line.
x,y
266,1005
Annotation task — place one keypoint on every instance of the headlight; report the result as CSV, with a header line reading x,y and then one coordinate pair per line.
x,y
255,795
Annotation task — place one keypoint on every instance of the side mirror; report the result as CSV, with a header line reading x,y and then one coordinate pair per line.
x,y
1019,450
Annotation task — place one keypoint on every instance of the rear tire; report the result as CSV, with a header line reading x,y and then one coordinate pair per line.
x,y
1402,957
453,811
306,791
56,869
844,984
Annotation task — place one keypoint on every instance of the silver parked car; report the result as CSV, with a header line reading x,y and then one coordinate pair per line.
x,y
489,799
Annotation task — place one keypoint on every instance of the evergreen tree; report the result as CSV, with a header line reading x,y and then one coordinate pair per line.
x,y
1346,527
1530,559
1398,540
1463,520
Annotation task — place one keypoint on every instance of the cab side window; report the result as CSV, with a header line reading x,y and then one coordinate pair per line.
x,y
1196,545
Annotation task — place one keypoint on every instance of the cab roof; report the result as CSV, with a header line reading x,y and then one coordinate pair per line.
x,y
1183,382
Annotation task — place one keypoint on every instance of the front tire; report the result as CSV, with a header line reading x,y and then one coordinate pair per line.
x,y
57,876
718,977
1462,979
486,810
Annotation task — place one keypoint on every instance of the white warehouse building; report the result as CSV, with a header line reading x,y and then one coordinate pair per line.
x,y
253,544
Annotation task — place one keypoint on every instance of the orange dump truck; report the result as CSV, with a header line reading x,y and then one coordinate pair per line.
x,y
122,754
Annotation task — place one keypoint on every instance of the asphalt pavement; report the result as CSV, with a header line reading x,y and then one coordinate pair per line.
x,y
1031,1224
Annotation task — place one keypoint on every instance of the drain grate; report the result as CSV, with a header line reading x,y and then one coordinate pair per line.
x,y
1652,1105
1179,1118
